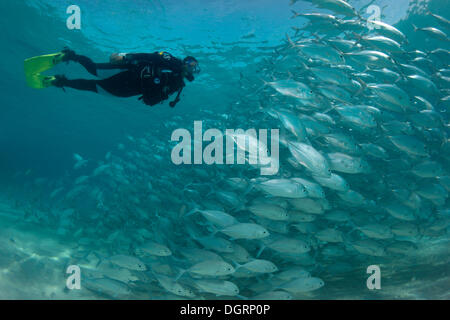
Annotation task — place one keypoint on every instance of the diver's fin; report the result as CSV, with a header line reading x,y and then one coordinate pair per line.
x,y
47,81
34,66
39,81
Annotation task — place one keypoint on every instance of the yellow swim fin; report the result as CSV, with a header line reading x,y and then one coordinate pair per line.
x,y
34,66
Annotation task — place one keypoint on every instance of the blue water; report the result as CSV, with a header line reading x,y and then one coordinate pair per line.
x,y
41,130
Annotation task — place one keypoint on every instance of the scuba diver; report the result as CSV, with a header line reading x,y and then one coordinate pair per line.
x,y
154,76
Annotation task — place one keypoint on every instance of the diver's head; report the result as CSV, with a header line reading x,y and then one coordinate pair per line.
x,y
190,67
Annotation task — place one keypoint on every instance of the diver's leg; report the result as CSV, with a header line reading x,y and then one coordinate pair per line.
x,y
92,67
107,70
86,62
79,84
124,84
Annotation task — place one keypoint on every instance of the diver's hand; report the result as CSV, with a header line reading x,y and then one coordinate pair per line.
x,y
145,99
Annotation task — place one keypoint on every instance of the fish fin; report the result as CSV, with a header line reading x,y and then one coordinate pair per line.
x,y
265,84
192,232
100,261
195,210
358,37
182,272
363,87
318,38
359,16
290,76
214,229
240,208
263,246
249,188
236,265
211,191
297,30
292,44
305,66
329,110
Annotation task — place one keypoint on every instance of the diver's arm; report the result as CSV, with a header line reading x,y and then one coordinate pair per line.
x,y
149,100
131,58
117,58
173,103
151,97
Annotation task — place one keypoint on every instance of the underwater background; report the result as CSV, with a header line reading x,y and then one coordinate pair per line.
x,y
128,202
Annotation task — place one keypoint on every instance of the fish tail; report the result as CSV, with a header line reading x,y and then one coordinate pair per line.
x,y
236,265
363,87
194,210
291,43
260,250
180,274
359,16
249,188
358,37
304,66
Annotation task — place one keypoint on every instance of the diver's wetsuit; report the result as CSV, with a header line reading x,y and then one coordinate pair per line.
x,y
153,75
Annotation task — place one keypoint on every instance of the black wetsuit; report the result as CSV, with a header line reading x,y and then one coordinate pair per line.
x,y
153,75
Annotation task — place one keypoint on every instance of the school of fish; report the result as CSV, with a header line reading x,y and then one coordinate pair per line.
x,y
363,178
